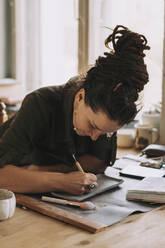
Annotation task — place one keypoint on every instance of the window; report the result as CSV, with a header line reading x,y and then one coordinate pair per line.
x,y
6,41
6,49
10,87
59,40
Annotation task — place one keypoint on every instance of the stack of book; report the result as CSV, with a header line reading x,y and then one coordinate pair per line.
x,y
151,189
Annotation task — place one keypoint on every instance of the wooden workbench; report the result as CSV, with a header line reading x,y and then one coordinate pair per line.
x,y
29,229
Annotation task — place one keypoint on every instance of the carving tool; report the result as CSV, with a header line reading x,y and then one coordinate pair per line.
x,y
91,186
83,205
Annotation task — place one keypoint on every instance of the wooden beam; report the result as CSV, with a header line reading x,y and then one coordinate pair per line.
x,y
83,35
59,214
162,119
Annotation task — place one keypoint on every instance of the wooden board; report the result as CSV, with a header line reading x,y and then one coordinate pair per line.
x,y
59,214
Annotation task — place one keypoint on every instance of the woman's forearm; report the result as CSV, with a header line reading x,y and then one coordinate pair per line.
x,y
21,180
51,168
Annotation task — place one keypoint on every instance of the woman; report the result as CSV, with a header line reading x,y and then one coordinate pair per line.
x,y
78,118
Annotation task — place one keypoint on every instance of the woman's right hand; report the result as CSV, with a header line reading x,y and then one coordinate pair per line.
x,y
77,182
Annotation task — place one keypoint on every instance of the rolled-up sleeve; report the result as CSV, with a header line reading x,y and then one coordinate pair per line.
x,y
20,133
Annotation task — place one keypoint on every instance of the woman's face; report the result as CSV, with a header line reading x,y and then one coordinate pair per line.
x,y
88,123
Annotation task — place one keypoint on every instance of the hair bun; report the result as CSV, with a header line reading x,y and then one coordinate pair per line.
x,y
114,82
125,41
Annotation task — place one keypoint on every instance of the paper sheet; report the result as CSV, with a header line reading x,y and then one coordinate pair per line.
x,y
112,206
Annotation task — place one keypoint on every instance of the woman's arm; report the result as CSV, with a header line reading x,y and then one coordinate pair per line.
x,y
21,180
51,168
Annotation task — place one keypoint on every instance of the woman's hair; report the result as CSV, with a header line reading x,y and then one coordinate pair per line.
x,y
114,82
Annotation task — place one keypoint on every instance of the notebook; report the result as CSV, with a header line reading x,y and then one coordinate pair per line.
x,y
104,183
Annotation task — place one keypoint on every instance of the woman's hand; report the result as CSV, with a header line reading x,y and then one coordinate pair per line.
x,y
77,183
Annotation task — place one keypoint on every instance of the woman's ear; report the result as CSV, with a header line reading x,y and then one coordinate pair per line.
x,y
80,95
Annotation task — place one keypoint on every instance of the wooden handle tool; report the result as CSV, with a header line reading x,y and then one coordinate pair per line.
x,y
77,164
91,186
84,205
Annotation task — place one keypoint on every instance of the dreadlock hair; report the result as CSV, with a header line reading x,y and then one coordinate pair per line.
x,y
114,82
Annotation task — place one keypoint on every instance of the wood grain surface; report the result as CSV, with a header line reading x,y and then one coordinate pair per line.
x,y
59,214
29,229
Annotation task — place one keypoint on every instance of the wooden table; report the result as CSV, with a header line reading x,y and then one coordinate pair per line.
x,y
29,229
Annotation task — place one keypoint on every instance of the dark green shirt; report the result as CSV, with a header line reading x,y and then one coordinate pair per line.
x,y
42,131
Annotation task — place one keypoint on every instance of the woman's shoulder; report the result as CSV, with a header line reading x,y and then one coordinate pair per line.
x,y
75,82
48,94
55,90
53,94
